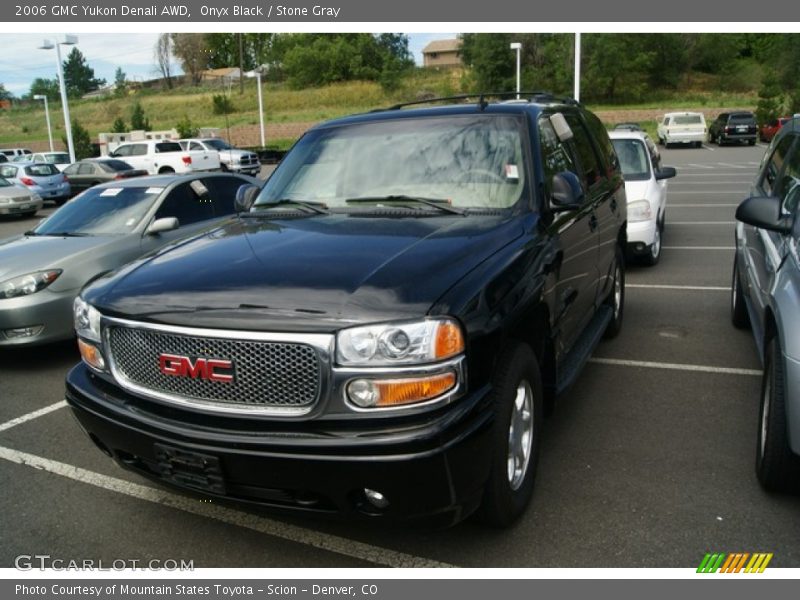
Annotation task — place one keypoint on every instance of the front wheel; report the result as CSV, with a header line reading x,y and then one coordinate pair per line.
x,y
616,298
518,406
777,467
654,251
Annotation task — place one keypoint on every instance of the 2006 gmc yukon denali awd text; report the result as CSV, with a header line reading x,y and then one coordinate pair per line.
x,y
381,329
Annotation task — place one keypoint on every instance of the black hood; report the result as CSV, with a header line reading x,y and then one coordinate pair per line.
x,y
308,273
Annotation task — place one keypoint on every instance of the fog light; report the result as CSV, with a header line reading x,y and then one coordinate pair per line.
x,y
377,499
91,355
23,332
379,393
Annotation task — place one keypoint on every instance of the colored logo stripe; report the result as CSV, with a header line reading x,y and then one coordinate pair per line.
x,y
734,562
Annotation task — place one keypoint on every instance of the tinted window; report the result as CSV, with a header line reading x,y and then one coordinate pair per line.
x,y
601,137
186,205
5,183
774,166
217,144
742,119
222,191
589,165
195,146
107,211
556,157
44,170
168,147
114,165
788,188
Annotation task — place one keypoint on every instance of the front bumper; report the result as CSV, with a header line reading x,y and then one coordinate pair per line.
x,y
18,208
738,137
47,309
431,467
641,235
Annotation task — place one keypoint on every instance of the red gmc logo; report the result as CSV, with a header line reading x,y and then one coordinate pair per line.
x,y
200,368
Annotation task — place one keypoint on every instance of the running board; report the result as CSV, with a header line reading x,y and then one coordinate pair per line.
x,y
571,366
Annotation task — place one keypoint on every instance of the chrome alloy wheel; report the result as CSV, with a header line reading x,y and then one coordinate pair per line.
x,y
520,435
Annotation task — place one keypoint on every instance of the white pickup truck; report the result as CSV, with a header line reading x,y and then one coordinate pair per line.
x,y
232,159
161,156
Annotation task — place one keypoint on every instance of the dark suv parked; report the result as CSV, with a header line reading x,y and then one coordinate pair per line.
x,y
735,127
381,329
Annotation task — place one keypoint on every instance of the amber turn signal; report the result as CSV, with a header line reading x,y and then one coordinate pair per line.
x,y
372,393
449,340
91,355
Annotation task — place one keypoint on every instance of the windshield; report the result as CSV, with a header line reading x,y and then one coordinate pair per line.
x,y
57,159
465,161
687,120
106,211
218,144
114,165
633,159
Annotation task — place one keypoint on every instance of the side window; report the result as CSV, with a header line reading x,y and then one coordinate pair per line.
x,y
195,146
72,169
8,172
666,121
222,191
772,170
38,158
556,157
184,204
138,149
590,169
124,150
788,188
85,169
603,142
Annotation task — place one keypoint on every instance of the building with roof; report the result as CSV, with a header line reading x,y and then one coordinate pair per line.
x,y
442,53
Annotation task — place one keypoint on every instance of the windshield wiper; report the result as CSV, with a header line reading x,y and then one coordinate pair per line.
x,y
440,203
317,207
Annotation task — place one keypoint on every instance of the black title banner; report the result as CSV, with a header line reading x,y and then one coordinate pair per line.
x,y
417,11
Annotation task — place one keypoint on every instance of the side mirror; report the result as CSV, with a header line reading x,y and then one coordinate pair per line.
x,y
666,173
245,197
567,191
764,213
162,225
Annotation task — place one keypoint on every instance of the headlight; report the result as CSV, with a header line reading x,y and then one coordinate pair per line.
x,y
639,211
87,320
399,343
25,285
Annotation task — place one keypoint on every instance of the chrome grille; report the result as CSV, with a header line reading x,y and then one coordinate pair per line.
x,y
283,375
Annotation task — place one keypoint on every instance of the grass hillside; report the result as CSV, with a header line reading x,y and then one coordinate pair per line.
x,y
164,109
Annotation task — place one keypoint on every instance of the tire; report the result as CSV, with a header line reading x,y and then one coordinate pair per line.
x,y
166,170
616,298
777,467
660,141
516,394
654,250
751,142
60,201
698,144
29,214
739,316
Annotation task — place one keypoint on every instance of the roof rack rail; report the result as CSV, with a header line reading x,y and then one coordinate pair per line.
x,y
534,96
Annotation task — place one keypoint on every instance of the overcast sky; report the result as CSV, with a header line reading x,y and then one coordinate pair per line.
x,y
22,62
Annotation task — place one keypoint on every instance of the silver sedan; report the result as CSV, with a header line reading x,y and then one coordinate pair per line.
x,y
18,200
104,228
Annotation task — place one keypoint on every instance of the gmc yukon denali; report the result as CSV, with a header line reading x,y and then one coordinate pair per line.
x,y
381,328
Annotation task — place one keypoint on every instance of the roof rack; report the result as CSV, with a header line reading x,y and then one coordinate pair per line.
x,y
535,96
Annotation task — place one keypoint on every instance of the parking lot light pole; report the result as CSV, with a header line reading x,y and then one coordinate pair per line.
x,y
69,40
47,117
577,83
257,74
518,47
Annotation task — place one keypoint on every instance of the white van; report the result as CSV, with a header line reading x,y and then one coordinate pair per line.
x,y
682,128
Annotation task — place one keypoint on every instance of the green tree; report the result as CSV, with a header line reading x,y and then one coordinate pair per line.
x,y
615,67
191,49
138,119
119,126
185,128
4,93
81,141
120,82
45,87
79,77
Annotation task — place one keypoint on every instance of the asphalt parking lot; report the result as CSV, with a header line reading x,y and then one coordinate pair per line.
x,y
648,460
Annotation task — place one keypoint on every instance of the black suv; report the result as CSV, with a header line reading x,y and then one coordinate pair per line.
x,y
382,327
734,127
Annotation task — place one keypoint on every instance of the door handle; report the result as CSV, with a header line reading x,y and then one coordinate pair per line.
x,y
613,205
593,223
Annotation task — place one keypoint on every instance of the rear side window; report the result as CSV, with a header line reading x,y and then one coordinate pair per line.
x,y
590,168
168,147
556,157
600,134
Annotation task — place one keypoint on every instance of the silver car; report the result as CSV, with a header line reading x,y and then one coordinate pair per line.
x,y
18,200
42,178
766,294
98,231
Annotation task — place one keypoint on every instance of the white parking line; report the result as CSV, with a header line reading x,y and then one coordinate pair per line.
x,y
706,192
284,531
666,286
709,148
678,182
702,222
675,366
32,415
706,205
728,248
